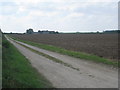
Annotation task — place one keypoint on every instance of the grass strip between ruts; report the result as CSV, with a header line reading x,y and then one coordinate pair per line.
x,y
50,57
80,55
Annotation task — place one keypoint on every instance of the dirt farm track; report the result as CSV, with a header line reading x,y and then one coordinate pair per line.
x,y
103,45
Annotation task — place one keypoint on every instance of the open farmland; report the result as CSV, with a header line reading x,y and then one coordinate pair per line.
x,y
103,45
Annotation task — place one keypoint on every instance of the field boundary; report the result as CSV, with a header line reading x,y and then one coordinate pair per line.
x,y
75,54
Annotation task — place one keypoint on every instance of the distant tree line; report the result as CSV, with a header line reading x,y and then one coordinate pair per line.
x,y
111,31
106,31
30,31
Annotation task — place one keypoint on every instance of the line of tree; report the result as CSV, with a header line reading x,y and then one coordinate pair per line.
x,y
111,31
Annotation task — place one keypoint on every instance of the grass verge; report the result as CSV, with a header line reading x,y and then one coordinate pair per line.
x,y
50,57
71,53
18,72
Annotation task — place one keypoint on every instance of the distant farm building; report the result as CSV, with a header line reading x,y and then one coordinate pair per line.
x,y
47,32
30,31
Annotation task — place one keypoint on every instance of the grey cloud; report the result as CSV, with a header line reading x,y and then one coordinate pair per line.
x,y
98,9
8,8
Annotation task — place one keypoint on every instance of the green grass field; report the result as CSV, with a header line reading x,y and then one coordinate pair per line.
x,y
18,72
80,55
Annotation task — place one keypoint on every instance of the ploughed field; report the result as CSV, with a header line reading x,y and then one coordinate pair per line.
x,y
103,45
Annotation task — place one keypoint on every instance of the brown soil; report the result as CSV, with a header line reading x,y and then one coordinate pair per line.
x,y
103,45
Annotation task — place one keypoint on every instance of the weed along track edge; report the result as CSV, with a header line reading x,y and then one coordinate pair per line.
x,y
49,57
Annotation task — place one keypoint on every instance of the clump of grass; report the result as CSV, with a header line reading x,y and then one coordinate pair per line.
x,y
72,53
18,72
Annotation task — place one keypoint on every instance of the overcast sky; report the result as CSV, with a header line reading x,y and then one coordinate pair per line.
x,y
58,15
